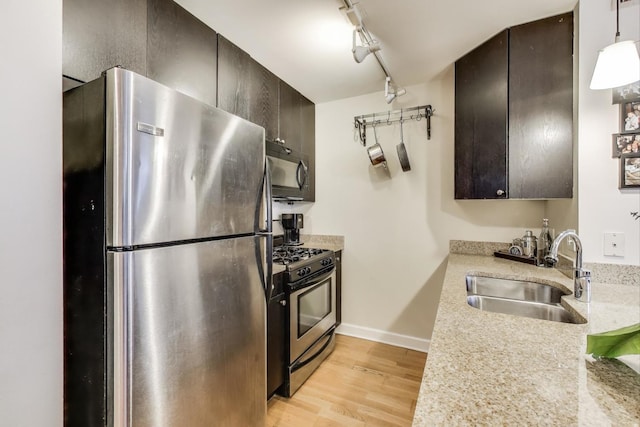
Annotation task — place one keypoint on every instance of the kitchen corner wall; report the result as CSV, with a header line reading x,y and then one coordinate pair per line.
x,y
603,208
31,369
397,225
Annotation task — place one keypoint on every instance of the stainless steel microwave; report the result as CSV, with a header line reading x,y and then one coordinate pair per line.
x,y
290,175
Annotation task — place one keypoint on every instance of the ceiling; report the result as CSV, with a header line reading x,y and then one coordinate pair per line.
x,y
308,43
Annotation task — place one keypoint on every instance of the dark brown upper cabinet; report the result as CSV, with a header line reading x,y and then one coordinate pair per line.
x,y
263,108
234,87
181,51
514,114
541,109
246,88
98,35
290,117
481,120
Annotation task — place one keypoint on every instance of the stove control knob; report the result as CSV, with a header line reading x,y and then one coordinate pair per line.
x,y
301,272
307,270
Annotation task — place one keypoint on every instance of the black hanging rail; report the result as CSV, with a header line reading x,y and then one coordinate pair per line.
x,y
390,117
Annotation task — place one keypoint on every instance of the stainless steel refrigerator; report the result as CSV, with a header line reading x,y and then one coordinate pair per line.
x,y
166,259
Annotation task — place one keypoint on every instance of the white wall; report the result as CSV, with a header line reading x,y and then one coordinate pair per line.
x,y
397,226
602,206
31,214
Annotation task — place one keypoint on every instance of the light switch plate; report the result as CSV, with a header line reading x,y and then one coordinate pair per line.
x,y
614,244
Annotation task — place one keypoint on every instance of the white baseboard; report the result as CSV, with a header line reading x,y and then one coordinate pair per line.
x,y
412,343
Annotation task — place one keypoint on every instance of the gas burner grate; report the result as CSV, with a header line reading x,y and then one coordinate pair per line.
x,y
286,255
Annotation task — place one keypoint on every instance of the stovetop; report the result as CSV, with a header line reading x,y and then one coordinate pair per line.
x,y
288,255
301,263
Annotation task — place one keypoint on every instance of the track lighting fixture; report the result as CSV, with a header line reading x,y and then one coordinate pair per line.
x,y
354,14
618,64
361,52
390,93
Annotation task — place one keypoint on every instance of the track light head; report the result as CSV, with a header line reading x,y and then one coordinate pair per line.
x,y
389,93
361,52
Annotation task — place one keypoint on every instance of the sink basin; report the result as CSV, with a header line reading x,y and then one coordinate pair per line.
x,y
514,289
519,298
535,310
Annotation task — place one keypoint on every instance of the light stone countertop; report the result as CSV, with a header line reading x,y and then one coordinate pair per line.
x,y
487,368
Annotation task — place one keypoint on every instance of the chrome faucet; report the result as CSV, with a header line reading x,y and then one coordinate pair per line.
x,y
581,277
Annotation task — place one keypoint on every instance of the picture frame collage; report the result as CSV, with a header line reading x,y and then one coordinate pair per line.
x,y
626,144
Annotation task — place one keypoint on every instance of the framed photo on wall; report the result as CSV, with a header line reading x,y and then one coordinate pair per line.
x,y
630,170
630,116
630,92
625,143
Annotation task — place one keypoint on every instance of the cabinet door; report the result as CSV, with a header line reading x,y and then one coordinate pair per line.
x,y
100,34
233,78
181,51
290,117
276,335
263,104
308,117
541,108
481,121
338,288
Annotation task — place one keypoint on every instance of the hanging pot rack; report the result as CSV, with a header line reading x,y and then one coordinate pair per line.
x,y
389,117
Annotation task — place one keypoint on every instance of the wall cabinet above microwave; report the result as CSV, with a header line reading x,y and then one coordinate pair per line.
x,y
248,90
514,114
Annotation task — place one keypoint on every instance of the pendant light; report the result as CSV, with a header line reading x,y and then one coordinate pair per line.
x,y
618,64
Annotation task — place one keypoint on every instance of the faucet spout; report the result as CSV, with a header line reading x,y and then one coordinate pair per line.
x,y
581,277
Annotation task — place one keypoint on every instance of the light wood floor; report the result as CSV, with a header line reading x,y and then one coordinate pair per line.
x,y
362,383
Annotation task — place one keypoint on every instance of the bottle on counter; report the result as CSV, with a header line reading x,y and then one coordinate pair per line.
x,y
544,244
529,244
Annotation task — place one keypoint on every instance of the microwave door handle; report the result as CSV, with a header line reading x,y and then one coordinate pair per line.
x,y
301,174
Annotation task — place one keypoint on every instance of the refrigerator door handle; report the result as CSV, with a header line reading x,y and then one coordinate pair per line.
x,y
267,232
268,280
268,196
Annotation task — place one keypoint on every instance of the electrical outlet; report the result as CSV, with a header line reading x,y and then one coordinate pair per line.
x,y
614,244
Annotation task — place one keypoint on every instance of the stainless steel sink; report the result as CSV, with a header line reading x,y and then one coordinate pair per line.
x,y
514,289
519,298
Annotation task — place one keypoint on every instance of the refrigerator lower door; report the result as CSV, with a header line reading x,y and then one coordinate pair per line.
x,y
188,335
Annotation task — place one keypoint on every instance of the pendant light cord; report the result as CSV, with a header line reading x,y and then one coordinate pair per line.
x,y
617,21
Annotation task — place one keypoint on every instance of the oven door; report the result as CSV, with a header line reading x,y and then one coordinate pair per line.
x,y
312,311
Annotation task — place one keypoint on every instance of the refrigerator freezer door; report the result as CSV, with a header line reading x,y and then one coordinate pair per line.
x,y
177,169
188,335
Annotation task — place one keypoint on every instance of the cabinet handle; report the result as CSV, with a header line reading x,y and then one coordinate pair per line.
x,y
500,192
283,302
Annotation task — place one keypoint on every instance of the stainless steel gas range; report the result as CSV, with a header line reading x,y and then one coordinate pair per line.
x,y
310,286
